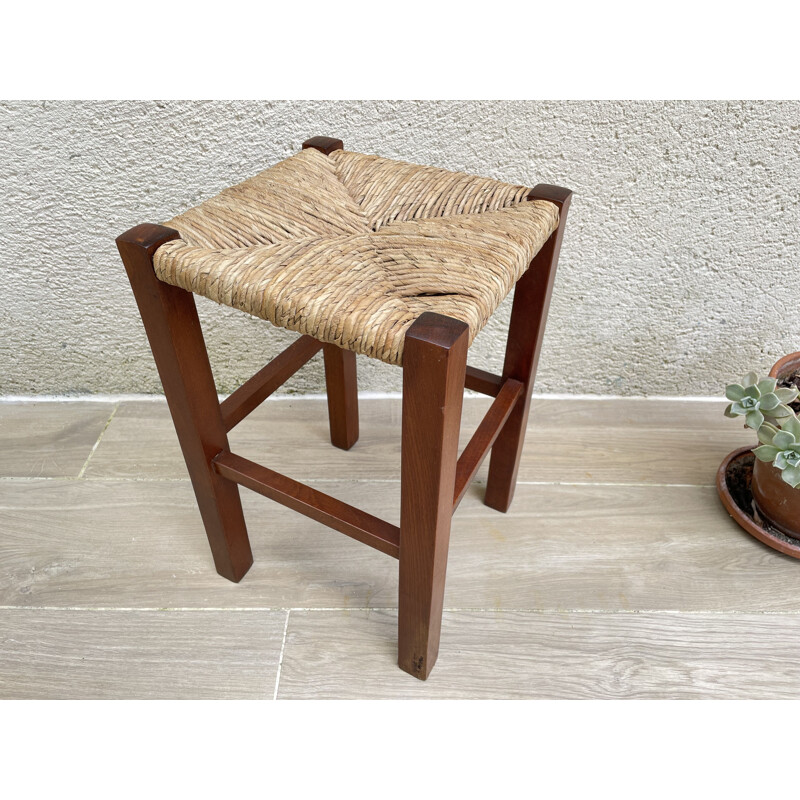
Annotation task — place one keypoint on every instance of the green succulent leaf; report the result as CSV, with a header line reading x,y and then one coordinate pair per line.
x,y
754,420
780,460
766,432
757,400
766,452
769,402
792,476
767,385
783,440
792,425
786,394
735,391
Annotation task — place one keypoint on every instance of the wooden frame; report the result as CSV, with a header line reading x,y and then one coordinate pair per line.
x,y
434,369
434,478
524,343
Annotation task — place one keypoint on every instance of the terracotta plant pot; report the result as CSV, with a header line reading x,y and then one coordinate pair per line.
x,y
776,501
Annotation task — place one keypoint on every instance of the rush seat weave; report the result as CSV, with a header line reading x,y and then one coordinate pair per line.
x,y
351,249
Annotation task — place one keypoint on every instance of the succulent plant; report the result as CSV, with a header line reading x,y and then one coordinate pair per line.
x,y
757,399
781,448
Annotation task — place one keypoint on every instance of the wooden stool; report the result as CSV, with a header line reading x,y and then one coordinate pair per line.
x,y
360,254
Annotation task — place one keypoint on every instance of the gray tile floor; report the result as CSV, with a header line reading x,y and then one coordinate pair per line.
x,y
615,574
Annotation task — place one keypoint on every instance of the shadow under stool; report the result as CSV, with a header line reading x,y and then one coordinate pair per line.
x,y
359,254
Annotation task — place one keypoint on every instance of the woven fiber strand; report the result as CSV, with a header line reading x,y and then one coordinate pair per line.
x,y
350,248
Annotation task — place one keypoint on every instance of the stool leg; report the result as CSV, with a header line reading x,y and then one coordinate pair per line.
x,y
173,329
434,365
525,334
342,387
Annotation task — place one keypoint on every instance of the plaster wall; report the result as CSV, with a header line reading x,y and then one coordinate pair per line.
x,y
678,271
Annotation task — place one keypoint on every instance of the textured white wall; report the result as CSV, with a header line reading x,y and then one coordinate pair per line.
x,y
678,271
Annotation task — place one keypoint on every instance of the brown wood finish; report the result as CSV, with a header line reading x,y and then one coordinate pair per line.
x,y
340,365
299,497
525,335
173,329
341,384
478,380
434,368
325,144
253,392
484,437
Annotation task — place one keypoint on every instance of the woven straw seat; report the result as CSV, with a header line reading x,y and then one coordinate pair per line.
x,y
351,249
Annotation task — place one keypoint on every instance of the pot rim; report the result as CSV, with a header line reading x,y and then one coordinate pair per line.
x,y
789,363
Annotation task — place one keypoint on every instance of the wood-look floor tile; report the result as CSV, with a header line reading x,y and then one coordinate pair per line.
x,y
580,441
46,654
141,544
49,439
615,513
486,655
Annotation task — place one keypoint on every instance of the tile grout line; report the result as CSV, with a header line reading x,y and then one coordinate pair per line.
x,y
371,609
130,479
91,453
280,658
134,397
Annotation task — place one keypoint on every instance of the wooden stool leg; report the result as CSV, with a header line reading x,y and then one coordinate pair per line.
x,y
173,329
434,364
525,334
342,388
